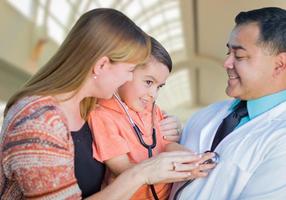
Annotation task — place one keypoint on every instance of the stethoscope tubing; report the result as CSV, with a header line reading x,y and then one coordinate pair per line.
x,y
140,138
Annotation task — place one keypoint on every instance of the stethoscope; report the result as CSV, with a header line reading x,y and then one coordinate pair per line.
x,y
139,134
136,129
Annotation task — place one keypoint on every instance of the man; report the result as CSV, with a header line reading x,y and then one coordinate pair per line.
x,y
253,149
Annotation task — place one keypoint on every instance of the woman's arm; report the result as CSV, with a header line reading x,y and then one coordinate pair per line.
x,y
38,157
119,164
166,167
123,186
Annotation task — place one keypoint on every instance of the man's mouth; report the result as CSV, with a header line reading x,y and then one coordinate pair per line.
x,y
231,77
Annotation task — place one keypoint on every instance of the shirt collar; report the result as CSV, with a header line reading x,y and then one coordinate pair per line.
x,y
258,106
113,104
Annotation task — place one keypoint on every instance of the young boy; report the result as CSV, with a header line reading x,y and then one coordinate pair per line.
x,y
116,143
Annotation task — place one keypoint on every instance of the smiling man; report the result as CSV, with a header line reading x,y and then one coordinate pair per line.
x,y
248,132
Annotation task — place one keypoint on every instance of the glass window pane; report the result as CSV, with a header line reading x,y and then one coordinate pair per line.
x,y
40,16
161,37
170,5
23,6
60,9
73,1
133,9
148,3
145,27
172,14
176,91
177,45
156,20
92,6
106,3
167,45
43,2
55,31
82,6
175,31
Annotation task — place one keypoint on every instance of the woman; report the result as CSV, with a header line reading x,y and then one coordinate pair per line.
x,y
43,153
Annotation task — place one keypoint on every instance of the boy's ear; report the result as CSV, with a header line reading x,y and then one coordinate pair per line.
x,y
100,65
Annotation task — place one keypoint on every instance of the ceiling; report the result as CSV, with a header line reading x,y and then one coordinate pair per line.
x,y
193,31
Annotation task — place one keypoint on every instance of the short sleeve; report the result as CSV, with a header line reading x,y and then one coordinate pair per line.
x,y
107,134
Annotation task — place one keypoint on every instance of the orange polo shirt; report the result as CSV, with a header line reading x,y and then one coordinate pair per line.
x,y
114,136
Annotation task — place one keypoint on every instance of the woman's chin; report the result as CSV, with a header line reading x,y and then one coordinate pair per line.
x,y
138,108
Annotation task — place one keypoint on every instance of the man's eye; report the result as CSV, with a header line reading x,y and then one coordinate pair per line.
x,y
239,57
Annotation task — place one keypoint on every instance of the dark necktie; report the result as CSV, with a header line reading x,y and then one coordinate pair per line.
x,y
229,123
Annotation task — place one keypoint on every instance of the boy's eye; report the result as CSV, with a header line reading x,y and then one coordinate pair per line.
x,y
149,83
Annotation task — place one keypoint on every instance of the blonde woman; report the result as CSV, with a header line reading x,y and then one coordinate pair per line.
x,y
45,143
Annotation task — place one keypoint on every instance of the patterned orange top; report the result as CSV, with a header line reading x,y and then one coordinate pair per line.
x,y
37,152
114,136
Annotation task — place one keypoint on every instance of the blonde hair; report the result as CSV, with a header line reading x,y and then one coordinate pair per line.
x,y
97,33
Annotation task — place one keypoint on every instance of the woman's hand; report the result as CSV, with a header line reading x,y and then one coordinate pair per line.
x,y
171,128
174,166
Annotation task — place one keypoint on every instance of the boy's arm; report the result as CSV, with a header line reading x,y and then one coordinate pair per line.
x,y
173,146
119,164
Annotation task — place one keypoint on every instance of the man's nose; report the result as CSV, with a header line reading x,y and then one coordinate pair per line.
x,y
228,62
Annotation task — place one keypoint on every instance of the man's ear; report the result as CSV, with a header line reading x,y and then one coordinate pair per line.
x,y
100,65
280,64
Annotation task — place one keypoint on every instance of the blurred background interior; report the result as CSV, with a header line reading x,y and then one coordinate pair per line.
x,y
194,32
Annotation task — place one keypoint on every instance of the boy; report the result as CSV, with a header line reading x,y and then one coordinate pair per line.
x,y
116,143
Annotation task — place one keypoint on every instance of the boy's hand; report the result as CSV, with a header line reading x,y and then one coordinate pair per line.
x,y
171,128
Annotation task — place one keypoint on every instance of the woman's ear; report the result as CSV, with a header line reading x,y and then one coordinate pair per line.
x,y
100,65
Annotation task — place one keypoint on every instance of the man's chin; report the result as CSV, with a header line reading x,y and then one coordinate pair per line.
x,y
232,93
